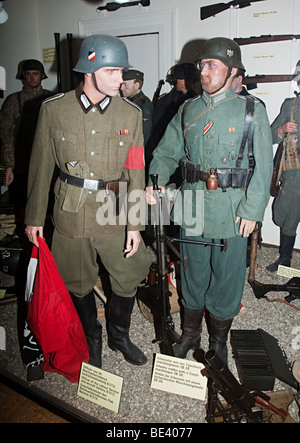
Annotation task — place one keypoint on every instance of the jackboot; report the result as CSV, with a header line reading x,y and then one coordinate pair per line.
x,y
87,312
191,336
120,310
285,253
218,333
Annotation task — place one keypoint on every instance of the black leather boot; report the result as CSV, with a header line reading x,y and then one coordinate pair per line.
x,y
285,253
218,333
192,328
87,312
120,310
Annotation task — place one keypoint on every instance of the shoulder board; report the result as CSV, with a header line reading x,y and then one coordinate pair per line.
x,y
131,103
244,97
54,97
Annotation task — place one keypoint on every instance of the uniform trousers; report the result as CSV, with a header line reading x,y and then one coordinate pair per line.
x,y
286,208
77,262
214,277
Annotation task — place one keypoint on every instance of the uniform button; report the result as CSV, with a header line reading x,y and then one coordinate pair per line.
x,y
90,192
121,143
93,131
62,139
208,152
92,153
94,109
92,174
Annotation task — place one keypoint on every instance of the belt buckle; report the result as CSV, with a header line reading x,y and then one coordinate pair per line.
x,y
90,184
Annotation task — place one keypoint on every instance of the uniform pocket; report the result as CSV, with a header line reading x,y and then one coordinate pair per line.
x,y
118,148
229,146
65,144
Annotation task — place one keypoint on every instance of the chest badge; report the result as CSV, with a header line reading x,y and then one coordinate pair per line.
x,y
207,128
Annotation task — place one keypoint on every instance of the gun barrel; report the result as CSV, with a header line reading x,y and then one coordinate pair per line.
x,y
238,393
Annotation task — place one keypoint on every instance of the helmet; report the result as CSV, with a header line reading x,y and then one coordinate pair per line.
x,y
99,51
223,49
10,255
32,65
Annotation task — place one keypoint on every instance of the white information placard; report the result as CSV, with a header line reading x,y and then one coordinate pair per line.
x,y
285,271
100,387
179,376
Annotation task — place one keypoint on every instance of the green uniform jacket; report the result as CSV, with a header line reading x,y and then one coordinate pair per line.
x,y
98,142
213,146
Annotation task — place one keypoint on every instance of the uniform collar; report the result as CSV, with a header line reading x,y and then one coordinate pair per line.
x,y
218,98
86,104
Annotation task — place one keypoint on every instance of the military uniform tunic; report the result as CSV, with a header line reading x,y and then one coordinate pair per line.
x,y
102,141
10,118
213,138
286,208
147,107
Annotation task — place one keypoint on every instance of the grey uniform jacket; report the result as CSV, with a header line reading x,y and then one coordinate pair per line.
x,y
99,142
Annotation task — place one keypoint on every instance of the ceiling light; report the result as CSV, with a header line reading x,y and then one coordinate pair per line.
x,y
3,14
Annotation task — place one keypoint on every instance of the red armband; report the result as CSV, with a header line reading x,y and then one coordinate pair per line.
x,y
135,158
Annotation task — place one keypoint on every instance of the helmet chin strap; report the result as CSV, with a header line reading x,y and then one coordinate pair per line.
x,y
95,83
225,81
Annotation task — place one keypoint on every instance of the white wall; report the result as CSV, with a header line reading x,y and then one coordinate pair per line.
x,y
32,23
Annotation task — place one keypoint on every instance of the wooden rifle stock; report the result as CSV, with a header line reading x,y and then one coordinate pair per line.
x,y
274,189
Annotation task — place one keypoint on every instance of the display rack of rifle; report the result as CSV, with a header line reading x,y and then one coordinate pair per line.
x,y
252,81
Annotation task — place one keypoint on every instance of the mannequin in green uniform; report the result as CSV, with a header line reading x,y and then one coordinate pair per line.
x,y
213,280
286,207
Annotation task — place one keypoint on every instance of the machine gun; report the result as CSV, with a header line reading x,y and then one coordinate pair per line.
x,y
156,295
210,11
242,404
261,289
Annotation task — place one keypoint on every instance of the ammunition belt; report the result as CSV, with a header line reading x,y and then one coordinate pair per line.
x,y
236,178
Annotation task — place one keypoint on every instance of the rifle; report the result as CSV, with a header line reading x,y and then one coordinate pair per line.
x,y
155,295
261,289
70,53
157,91
251,81
58,62
274,189
241,403
266,39
115,6
209,11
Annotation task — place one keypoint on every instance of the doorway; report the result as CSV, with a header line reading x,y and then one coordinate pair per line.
x,y
149,39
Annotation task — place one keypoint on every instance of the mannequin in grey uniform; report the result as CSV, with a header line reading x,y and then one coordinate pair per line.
x,y
95,138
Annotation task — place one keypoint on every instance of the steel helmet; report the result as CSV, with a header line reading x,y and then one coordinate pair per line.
x,y
10,255
223,49
99,51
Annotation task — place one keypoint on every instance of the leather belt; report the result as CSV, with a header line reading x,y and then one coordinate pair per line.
x,y
94,185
